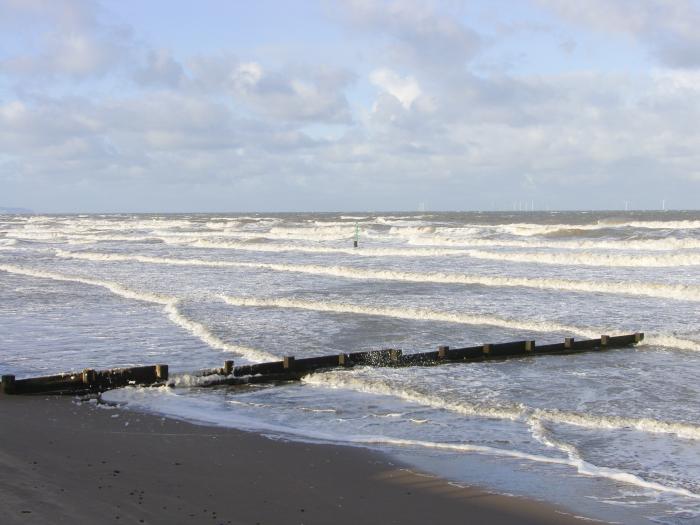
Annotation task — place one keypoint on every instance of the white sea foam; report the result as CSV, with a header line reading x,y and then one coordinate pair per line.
x,y
609,422
530,229
408,313
634,288
584,467
665,244
280,247
350,380
592,259
170,306
207,412
451,317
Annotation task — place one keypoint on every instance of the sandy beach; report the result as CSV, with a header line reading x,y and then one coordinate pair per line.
x,y
64,462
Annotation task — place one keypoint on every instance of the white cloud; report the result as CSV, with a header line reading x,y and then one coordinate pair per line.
x,y
62,38
247,74
405,89
238,120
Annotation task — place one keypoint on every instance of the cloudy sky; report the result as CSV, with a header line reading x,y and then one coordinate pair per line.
x,y
160,105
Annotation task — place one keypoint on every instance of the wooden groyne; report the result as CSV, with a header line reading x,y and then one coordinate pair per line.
x,y
291,368
87,381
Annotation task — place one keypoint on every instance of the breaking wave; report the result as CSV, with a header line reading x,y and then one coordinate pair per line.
x,y
408,313
592,259
634,288
170,306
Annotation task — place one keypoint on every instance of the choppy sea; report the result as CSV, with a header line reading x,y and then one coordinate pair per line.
x,y
611,435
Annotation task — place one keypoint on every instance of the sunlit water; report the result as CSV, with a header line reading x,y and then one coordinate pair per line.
x,y
613,435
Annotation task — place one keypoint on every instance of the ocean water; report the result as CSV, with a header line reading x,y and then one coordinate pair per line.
x,y
611,435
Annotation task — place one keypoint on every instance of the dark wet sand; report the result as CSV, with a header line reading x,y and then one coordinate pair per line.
x,y
66,463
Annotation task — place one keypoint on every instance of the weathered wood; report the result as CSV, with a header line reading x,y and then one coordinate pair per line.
x,y
56,383
288,363
586,344
89,377
315,363
372,358
162,372
88,380
291,369
273,367
501,350
8,384
468,353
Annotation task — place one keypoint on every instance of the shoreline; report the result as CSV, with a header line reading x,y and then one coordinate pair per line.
x,y
65,462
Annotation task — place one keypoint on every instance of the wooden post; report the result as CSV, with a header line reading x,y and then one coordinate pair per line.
x,y
8,384
343,360
604,340
395,356
638,337
288,363
568,342
89,377
487,349
442,352
228,367
529,346
162,372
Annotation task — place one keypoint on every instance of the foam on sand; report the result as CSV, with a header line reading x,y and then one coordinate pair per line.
x,y
166,401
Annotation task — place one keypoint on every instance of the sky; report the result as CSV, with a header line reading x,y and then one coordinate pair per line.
x,y
321,105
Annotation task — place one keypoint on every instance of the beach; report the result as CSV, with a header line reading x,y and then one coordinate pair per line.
x,y
611,435
65,462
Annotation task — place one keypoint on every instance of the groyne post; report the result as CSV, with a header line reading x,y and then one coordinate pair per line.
x,y
442,352
89,377
288,363
487,349
604,340
568,342
8,384
529,346
162,372
228,367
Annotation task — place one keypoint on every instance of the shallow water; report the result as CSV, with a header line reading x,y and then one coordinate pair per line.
x,y
612,435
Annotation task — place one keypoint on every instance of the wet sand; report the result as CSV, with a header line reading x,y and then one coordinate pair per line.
x,y
61,462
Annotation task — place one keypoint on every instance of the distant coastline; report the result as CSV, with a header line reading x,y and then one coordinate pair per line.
x,y
23,211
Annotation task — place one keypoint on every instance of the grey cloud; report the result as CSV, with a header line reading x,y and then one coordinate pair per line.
x,y
668,29
160,69
420,36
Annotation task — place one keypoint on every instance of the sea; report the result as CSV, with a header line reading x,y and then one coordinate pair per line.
x,y
610,435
